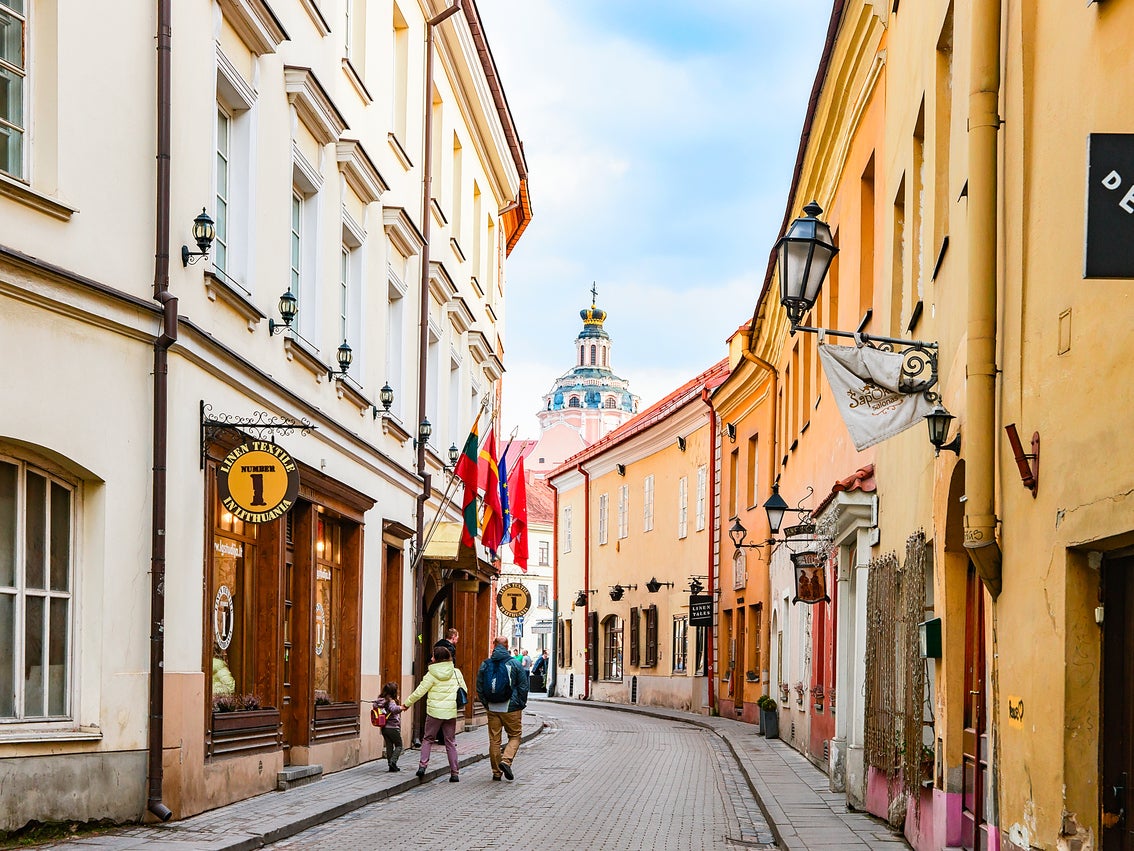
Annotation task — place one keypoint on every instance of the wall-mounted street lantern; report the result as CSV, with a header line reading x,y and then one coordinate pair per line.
x,y
424,430
204,232
653,586
289,308
681,443
344,355
938,421
454,455
738,533
386,398
581,596
616,591
776,508
695,585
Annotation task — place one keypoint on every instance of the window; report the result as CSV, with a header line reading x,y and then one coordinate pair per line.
x,y
700,651
635,640
604,363
623,511
328,609
602,518
541,596
651,655
36,528
609,403
399,103
296,243
574,402
753,470
733,470
702,482
13,84
395,326
456,200
612,648
232,625
683,507
680,642
232,245
648,503
594,355
224,157
567,529
544,553
561,629
305,265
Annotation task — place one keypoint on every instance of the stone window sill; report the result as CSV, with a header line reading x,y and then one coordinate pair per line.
x,y
26,735
24,194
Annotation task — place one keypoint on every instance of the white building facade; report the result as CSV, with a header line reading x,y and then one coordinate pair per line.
x,y
298,125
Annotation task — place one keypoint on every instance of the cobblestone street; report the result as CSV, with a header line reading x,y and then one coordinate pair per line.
x,y
591,780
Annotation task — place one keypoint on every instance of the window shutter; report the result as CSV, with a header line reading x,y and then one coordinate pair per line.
x,y
592,645
651,637
634,626
559,645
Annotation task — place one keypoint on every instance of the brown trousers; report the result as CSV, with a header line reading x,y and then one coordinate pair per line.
x,y
511,723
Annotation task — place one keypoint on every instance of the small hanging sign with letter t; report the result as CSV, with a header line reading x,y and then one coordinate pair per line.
x,y
1110,206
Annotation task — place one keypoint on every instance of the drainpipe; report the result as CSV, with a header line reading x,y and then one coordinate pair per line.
x,y
711,583
423,355
587,581
980,384
161,416
553,668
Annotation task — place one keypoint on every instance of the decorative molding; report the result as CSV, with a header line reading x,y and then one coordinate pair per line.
x,y
255,23
316,16
478,346
398,288
475,281
402,232
313,105
217,289
238,93
27,196
494,368
456,246
438,213
441,287
296,350
359,170
346,389
460,316
356,81
393,426
399,151
310,180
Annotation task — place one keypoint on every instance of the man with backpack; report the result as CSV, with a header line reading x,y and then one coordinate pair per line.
x,y
502,686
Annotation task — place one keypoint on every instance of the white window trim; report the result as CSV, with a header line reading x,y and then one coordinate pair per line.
x,y
702,483
567,529
683,507
602,518
24,175
648,507
623,511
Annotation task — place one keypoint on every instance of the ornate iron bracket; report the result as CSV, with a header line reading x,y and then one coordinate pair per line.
x,y
260,426
919,367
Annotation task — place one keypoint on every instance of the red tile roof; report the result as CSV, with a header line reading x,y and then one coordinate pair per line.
x,y
861,480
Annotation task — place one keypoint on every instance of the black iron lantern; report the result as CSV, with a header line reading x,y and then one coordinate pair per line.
x,y
345,356
738,533
386,396
804,254
695,586
938,421
454,455
616,592
424,430
581,598
288,308
204,232
775,508
653,586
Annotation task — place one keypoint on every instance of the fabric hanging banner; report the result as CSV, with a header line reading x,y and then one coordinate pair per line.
x,y
865,381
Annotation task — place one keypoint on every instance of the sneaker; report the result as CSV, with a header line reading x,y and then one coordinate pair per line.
x,y
453,778
421,771
506,769
497,777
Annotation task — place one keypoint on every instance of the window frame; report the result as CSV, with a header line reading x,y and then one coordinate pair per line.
x,y
683,507
19,592
603,518
635,636
702,487
623,511
648,503
21,73
650,657
612,670
680,654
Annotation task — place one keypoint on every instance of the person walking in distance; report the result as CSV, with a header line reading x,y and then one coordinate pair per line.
x,y
392,732
440,683
502,686
450,644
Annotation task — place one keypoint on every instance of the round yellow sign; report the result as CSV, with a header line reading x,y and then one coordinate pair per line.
x,y
258,482
514,599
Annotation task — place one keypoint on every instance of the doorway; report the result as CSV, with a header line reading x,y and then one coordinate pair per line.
x,y
974,747
1117,757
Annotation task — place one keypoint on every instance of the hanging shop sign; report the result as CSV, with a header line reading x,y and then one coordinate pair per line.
x,y
1110,206
700,610
258,481
514,599
810,578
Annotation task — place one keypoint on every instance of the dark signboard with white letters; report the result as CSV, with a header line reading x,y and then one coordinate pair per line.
x,y
1110,206
700,610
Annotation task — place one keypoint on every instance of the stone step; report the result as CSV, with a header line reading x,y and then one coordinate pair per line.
x,y
297,775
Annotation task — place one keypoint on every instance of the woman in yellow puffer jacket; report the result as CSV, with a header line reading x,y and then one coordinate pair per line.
x,y
440,684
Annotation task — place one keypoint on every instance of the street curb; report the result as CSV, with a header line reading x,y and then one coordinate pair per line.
x,y
695,721
302,823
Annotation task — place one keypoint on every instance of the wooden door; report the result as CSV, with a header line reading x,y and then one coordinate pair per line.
x,y
287,696
1117,749
975,740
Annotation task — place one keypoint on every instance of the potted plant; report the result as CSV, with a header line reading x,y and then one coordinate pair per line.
x,y
240,723
800,691
769,716
817,696
785,690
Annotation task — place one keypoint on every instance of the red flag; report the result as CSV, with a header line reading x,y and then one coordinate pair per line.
x,y
518,503
492,524
466,471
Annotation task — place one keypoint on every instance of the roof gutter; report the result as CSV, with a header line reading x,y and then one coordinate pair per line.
x,y
710,583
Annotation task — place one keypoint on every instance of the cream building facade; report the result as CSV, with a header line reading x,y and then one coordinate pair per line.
x,y
298,125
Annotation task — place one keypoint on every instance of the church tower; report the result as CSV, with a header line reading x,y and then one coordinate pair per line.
x,y
588,401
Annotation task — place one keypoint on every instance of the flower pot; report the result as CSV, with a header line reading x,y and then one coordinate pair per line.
x,y
244,731
770,723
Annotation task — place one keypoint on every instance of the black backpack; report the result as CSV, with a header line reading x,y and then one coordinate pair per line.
x,y
497,681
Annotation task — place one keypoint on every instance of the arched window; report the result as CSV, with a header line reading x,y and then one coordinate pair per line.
x,y
604,350
582,350
608,402
593,355
574,403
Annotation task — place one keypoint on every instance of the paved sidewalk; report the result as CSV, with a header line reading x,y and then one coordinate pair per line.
x,y
792,792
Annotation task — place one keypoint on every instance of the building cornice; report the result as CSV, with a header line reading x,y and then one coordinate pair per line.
x,y
313,104
255,23
359,170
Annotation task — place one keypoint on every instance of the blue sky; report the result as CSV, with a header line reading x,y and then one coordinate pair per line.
x,y
660,139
